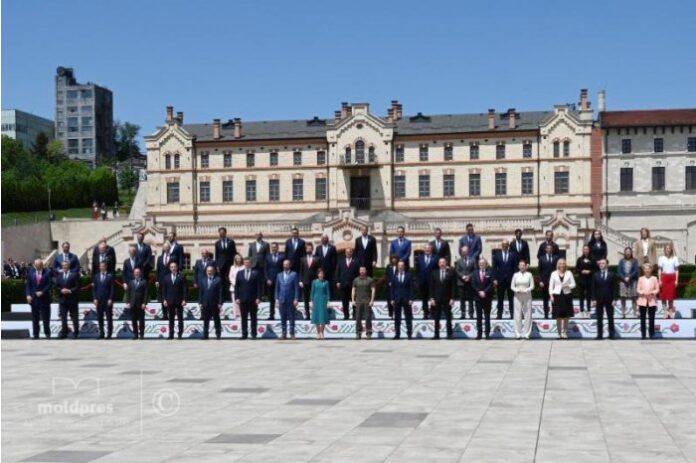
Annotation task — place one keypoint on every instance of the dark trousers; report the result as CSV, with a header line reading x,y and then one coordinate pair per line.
x,y
390,309
363,311
650,312
483,314
138,320
408,315
207,313
71,309
585,293
271,301
306,292
287,317
40,311
105,309
603,305
466,299
345,300
224,276
504,287
248,309
440,307
178,311
545,298
425,297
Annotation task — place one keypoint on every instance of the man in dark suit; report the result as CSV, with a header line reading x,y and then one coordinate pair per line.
x,y
144,255
174,295
547,265
347,270
441,248
211,301
294,249
274,265
389,273
287,294
555,250
366,250
401,246
326,252
38,293
464,268
136,300
441,293
482,283
103,253
472,241
258,250
68,286
604,292
129,265
176,251
425,264
520,247
161,271
199,268
504,267
248,288
103,297
68,256
401,296
225,250
309,266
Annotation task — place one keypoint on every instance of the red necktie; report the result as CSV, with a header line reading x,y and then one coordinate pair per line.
x,y
483,275
38,278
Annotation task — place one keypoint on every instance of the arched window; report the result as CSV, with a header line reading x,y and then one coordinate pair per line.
x,y
566,148
176,161
556,149
360,152
348,155
167,161
371,154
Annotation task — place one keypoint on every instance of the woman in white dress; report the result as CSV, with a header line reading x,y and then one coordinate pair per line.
x,y
522,285
668,275
561,287
237,265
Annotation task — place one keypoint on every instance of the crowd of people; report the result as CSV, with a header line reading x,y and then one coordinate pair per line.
x,y
307,277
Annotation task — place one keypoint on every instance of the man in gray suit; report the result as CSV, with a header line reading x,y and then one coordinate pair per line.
x,y
258,250
464,267
136,300
287,294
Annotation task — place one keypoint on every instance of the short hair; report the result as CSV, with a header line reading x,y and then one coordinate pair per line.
x,y
483,259
294,229
210,266
548,231
470,225
438,229
522,260
170,264
400,227
64,243
310,244
518,230
222,229
558,262
173,233
245,259
392,257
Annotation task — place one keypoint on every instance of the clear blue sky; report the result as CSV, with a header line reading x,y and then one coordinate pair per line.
x,y
296,59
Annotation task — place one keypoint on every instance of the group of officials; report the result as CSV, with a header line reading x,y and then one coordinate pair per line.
x,y
287,279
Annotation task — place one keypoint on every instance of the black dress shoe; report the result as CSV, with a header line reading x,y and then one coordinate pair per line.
x,y
205,337
101,336
396,338
598,338
488,336
135,337
171,336
479,337
76,335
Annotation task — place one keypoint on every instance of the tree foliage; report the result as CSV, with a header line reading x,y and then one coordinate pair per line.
x,y
126,140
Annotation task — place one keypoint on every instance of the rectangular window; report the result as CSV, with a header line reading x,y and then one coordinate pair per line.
x,y
500,152
73,142
297,189
561,182
86,109
251,190
566,148
473,151
527,150
423,153
691,177
448,185
274,158
556,149
474,184
424,186
87,93
626,179
449,153
321,158
227,191
71,93
87,122
320,189
399,156
204,192
173,192
659,145
177,161
500,183
227,160
250,160
399,186
88,142
205,160
167,162
274,189
658,179
297,158
626,146
527,183
691,144
72,109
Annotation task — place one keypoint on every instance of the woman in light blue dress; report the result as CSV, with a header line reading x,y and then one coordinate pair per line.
x,y
319,301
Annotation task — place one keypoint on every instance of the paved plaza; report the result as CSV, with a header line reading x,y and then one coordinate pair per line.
x,y
357,401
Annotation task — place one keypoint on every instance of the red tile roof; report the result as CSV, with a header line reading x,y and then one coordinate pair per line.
x,y
650,117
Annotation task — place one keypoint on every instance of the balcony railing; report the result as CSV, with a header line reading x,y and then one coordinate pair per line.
x,y
357,160
360,203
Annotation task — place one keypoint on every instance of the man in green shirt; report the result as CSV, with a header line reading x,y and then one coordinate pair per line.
x,y
363,299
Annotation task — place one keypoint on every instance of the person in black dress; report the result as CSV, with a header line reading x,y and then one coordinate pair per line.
x,y
598,247
585,267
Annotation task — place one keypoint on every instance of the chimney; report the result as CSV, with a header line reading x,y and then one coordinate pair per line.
x,y
170,114
512,118
399,110
390,115
491,119
337,116
216,129
602,101
237,127
344,109
349,111
583,100
180,117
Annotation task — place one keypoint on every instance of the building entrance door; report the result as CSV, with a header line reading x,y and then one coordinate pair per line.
x,y
360,193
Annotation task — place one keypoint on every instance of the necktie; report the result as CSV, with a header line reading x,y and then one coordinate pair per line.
x,y
400,242
519,246
224,244
437,245
246,275
442,275
548,258
604,275
38,278
294,244
102,278
140,247
65,275
137,283
173,278
401,277
427,260
275,258
483,275
65,257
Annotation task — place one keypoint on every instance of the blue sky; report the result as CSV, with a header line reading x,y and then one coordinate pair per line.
x,y
296,59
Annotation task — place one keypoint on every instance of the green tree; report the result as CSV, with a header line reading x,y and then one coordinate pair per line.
x,y
55,153
128,178
125,136
40,145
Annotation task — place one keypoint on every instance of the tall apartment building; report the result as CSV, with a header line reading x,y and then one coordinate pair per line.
x,y
25,126
84,118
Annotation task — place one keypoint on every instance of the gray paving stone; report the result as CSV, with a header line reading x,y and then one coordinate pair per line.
x,y
314,402
243,438
189,380
653,376
394,420
567,368
67,456
246,390
139,372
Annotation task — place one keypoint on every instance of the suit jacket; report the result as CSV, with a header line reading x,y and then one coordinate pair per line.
x,y
136,294
598,250
603,290
248,290
174,293
210,297
272,269
295,253
109,254
328,261
199,270
72,283
423,270
162,268
444,250
72,258
401,291
485,285
103,291
128,268
31,287
522,252
309,273
546,268
345,274
287,289
403,250
368,254
504,270
258,258
176,253
542,249
465,267
144,255
652,251
442,290
474,244
225,257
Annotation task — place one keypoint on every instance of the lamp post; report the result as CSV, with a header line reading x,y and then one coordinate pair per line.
x,y
50,214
